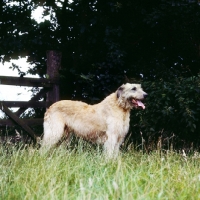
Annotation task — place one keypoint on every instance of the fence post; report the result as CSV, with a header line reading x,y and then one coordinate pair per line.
x,y
53,66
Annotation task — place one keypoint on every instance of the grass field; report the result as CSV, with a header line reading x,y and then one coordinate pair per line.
x,y
84,173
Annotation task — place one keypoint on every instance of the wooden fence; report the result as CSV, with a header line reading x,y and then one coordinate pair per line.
x,y
50,90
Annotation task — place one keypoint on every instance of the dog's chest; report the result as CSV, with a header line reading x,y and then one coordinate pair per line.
x,y
126,121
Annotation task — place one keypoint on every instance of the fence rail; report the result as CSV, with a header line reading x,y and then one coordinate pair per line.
x,y
31,82
25,104
29,122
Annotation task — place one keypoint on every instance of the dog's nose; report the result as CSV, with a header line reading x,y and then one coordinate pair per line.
x,y
145,95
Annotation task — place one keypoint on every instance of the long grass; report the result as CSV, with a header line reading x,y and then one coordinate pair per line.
x,y
84,173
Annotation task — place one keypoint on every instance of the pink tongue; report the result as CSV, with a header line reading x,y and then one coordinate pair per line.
x,y
140,104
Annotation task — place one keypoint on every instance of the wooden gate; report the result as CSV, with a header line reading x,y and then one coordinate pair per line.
x,y
50,90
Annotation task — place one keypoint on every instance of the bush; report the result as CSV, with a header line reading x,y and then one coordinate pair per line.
x,y
172,108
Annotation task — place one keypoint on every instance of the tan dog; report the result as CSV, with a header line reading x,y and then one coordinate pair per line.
x,y
104,123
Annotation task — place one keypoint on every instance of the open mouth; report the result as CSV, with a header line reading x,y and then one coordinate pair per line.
x,y
137,103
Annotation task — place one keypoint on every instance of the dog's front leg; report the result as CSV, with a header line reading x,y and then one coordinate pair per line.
x,y
114,130
111,146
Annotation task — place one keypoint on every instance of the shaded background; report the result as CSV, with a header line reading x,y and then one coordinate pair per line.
x,y
107,43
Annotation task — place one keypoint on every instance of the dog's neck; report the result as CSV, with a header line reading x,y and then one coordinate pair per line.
x,y
123,104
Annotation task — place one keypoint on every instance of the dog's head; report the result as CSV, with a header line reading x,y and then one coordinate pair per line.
x,y
131,95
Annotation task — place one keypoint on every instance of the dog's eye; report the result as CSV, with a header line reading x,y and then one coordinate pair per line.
x,y
134,88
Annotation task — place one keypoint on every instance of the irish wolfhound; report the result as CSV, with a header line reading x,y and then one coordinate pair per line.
x,y
104,123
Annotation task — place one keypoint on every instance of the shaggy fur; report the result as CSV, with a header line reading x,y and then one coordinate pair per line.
x,y
104,123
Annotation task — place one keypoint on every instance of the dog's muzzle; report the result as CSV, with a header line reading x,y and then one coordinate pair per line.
x,y
138,102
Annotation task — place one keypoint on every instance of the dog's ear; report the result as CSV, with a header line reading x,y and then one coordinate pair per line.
x,y
119,91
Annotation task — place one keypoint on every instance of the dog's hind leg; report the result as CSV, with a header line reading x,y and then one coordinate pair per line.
x,y
54,128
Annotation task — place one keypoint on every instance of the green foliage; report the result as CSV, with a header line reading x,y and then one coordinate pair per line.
x,y
171,108
158,39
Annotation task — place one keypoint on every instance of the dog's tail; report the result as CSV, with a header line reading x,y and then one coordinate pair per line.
x,y
53,129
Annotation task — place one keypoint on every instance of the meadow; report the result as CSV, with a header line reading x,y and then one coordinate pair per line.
x,y
85,173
